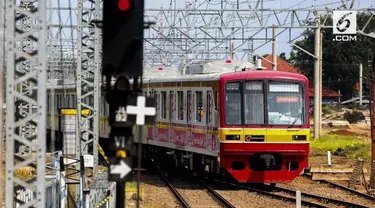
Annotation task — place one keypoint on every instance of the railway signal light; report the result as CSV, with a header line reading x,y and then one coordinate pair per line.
x,y
357,86
123,5
123,37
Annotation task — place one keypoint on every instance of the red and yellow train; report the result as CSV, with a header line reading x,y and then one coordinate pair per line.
x,y
222,116
228,117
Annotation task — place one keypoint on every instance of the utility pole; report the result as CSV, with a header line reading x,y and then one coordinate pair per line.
x,y
360,84
320,79
274,48
317,104
233,51
372,98
339,91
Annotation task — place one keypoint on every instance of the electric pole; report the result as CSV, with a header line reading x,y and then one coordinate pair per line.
x,y
372,98
317,103
320,79
360,84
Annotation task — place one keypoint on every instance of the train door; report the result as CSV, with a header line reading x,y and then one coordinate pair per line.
x,y
217,108
189,110
209,120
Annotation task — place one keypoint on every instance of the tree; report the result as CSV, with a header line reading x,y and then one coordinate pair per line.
x,y
283,56
340,59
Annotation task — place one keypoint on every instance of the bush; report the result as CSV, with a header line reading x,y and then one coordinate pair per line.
x,y
348,146
353,116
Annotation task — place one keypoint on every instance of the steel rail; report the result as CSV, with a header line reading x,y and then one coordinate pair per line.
x,y
270,194
173,189
367,196
291,199
217,195
321,198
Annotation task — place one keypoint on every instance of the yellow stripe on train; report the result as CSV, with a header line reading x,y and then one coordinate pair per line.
x,y
269,135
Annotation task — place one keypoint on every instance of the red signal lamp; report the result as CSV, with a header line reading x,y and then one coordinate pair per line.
x,y
228,61
123,5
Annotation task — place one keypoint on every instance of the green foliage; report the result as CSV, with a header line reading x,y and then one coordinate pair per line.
x,y
353,116
349,146
340,59
283,56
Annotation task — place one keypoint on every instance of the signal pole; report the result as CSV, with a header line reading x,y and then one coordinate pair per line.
x,y
123,60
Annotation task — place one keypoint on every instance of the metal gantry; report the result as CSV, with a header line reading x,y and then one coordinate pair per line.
x,y
26,45
205,30
88,75
36,119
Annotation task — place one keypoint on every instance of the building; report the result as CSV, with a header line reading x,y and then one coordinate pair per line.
x,y
328,95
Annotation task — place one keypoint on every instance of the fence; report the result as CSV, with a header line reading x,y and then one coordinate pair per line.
x,y
102,193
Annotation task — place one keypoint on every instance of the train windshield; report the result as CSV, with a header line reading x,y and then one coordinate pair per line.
x,y
285,103
233,107
255,103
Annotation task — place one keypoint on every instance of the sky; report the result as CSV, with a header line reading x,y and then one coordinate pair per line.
x,y
282,46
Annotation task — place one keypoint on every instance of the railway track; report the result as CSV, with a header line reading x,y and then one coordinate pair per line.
x,y
173,189
215,195
335,185
308,199
316,199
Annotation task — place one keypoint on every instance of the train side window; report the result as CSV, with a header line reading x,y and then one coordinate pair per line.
x,y
157,101
198,106
180,105
209,107
48,105
74,101
163,105
171,105
71,101
188,106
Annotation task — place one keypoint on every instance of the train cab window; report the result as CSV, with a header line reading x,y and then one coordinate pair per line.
x,y
188,105
254,102
286,104
180,105
233,106
198,106
163,105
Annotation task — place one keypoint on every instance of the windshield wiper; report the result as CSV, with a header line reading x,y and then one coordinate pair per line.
x,y
295,120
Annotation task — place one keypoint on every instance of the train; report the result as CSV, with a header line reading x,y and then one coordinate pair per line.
x,y
222,116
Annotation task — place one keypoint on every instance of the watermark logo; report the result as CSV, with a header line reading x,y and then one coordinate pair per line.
x,y
344,25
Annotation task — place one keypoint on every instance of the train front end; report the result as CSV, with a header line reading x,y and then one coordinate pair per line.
x,y
264,126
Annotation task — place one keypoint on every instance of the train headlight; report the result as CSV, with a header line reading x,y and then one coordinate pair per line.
x,y
299,137
232,137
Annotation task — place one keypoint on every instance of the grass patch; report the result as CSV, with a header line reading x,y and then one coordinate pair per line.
x,y
349,146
